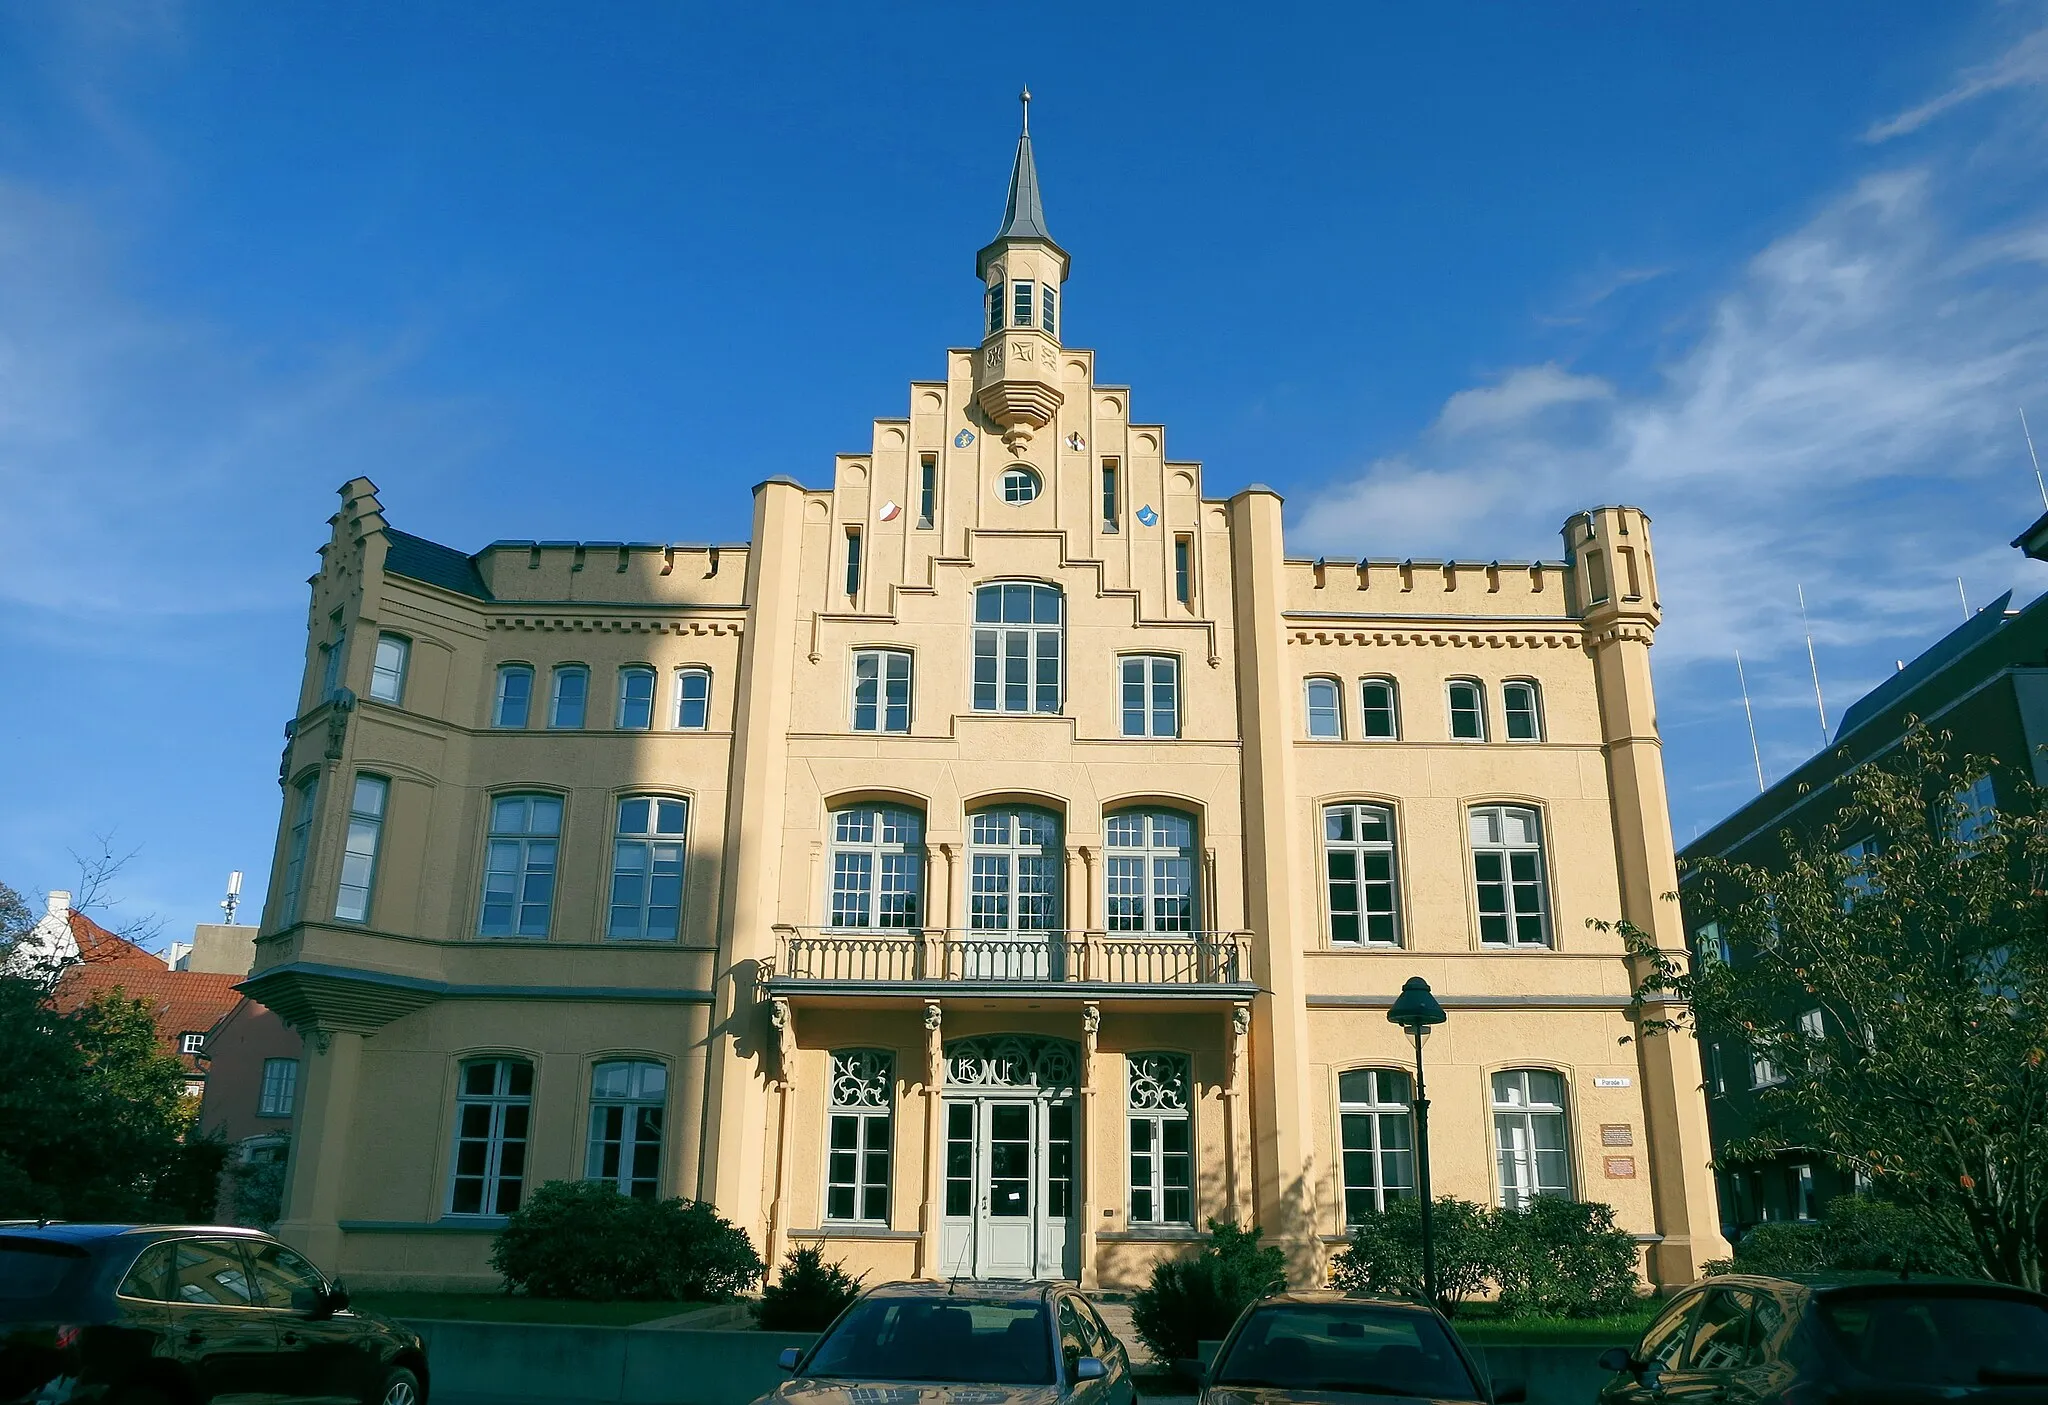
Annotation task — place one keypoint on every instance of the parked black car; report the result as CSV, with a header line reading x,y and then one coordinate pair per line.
x,y
1840,1339
1315,1346
186,1315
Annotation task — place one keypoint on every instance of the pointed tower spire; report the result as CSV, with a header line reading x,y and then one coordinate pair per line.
x,y
1024,214
1016,375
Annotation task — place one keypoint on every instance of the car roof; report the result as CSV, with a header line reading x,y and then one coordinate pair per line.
x,y
1001,1290
1325,1296
1840,1279
63,1232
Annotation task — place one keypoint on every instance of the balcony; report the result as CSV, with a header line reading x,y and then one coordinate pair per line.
x,y
931,961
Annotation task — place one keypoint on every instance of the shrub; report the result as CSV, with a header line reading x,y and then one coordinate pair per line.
x,y
582,1239
1196,1300
1858,1232
255,1189
1563,1258
808,1296
1385,1254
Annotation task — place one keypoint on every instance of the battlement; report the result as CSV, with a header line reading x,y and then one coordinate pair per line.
x,y
612,572
1336,585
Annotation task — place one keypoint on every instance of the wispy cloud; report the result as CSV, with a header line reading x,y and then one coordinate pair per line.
x,y
2024,65
1518,397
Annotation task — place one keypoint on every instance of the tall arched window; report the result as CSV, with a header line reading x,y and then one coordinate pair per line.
x,y
693,699
519,866
1018,647
514,698
636,699
877,867
1468,710
858,1136
1358,870
1379,712
570,701
1524,709
1325,709
646,899
1378,1131
1507,868
493,1104
1529,1135
1149,872
1158,1091
627,1100
1015,861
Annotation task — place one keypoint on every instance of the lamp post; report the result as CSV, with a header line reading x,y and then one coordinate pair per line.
x,y
1416,1011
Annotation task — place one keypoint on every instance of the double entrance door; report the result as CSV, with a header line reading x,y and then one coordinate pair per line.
x,y
1009,1187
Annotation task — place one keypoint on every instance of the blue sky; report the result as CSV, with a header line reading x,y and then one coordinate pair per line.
x,y
1440,274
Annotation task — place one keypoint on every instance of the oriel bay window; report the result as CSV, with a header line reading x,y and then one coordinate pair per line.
x,y
303,795
1529,1135
647,869
492,1106
1507,869
1149,870
627,1099
877,867
1017,647
1377,1125
881,690
1162,1162
1358,869
859,1136
519,866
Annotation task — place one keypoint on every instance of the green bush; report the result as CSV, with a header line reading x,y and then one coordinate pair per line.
x,y
808,1296
582,1239
1856,1232
1385,1254
1196,1300
1563,1258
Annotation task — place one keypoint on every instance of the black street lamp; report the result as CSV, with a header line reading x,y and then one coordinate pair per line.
x,y
1416,1011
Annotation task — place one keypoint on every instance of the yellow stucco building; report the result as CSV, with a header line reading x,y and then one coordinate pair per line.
x,y
1001,864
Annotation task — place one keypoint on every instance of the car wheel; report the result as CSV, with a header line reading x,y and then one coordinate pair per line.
x,y
401,1387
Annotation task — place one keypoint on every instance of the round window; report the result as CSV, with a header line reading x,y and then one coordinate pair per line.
x,y
1020,484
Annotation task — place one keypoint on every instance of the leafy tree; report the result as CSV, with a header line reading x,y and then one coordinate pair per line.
x,y
1927,956
1858,1232
1385,1253
16,920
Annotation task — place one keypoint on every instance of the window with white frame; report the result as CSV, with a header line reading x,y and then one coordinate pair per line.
x,y
1019,485
881,690
1763,1071
1149,871
1711,942
359,854
493,1104
853,544
1184,569
1813,1025
1014,862
1162,1144
1377,1126
570,700
1048,307
636,699
1717,1077
1020,296
1325,709
331,654
387,670
1507,868
1358,871
1150,685
304,794
1468,710
1379,713
519,866
877,867
280,1088
860,1136
693,699
1524,709
513,704
192,1042
1976,813
995,303
648,851
927,490
628,1098
1529,1135
1018,629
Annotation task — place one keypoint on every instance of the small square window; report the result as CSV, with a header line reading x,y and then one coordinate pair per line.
x,y
192,1043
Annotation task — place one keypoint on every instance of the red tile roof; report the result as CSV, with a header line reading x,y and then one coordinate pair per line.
x,y
182,1002
96,944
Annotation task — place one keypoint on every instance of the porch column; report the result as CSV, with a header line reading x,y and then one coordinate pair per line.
x,y
928,1265
1084,1162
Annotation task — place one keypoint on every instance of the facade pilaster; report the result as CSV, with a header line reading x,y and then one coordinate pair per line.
x,y
321,1155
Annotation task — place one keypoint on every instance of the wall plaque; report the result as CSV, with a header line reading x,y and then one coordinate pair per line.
x,y
1621,1168
1617,1134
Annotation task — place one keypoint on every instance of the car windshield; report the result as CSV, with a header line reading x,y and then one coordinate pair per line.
x,y
969,1340
35,1268
1949,1337
1351,1348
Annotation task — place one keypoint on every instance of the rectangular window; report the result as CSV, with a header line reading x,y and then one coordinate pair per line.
x,y
1717,1077
959,1159
359,856
927,490
1763,1073
693,699
1325,715
1803,1204
192,1043
1711,942
859,1136
1021,306
1048,312
519,866
280,1087
995,306
1358,860
852,562
1184,569
881,691
1377,716
331,655
1158,1088
1468,711
1525,721
1151,695
647,869
1017,635
387,673
1377,1127
515,696
1109,495
1529,1135
295,849
1596,575
627,1100
571,697
1507,865
636,699
1976,813
492,1110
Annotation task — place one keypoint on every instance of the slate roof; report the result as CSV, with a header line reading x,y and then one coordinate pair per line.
x,y
419,559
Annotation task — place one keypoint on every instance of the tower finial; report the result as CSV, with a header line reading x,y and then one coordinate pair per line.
x,y
1025,98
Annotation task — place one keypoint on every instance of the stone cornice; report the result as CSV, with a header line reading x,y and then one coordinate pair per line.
x,y
1445,637
596,623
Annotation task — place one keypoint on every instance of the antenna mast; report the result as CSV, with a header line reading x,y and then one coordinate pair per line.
x,y
233,900
1755,754
1966,597
2039,482
1814,664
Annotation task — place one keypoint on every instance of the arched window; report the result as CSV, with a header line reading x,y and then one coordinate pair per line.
x,y
359,852
1529,1135
514,701
1158,1092
859,1136
1149,872
1468,710
570,700
877,867
519,866
387,669
1325,709
627,1100
636,699
693,699
1507,867
303,796
493,1105
647,868
1377,1126
1523,706
1358,870
1379,713
1015,859
1018,628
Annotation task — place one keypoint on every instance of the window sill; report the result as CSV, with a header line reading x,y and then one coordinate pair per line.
x,y
856,1231
1157,1234
447,1224
1516,949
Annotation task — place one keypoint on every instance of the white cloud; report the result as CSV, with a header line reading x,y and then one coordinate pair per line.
x,y
2025,64
1521,394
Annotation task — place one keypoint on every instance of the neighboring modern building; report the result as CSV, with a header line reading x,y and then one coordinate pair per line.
x,y
1985,682
1001,864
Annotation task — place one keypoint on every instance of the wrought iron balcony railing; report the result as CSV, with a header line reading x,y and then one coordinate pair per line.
x,y
952,956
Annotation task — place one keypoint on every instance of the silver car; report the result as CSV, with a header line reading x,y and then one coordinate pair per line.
x,y
962,1344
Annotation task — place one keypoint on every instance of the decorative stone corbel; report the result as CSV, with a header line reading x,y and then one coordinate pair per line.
x,y
1091,1027
1240,1031
934,1047
784,1024
340,703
